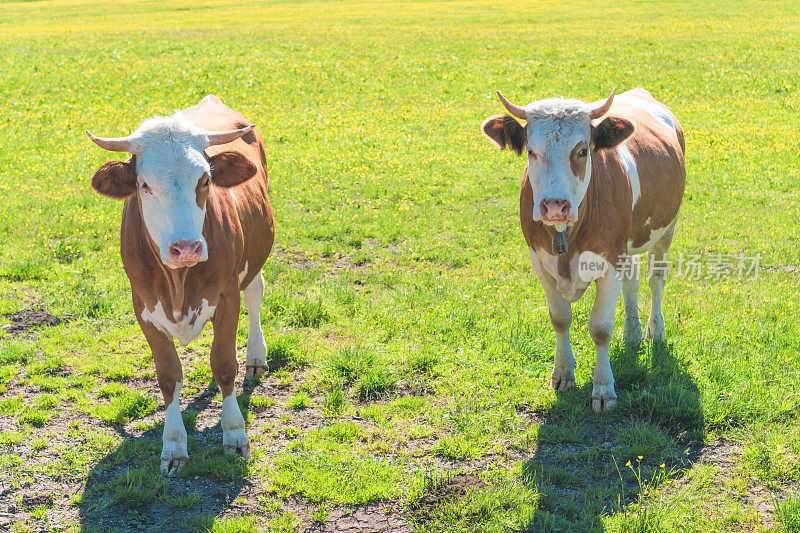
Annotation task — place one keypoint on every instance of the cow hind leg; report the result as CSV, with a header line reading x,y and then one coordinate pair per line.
x,y
256,345
632,332
657,278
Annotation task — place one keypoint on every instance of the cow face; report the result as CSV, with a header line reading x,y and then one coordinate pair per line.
x,y
172,178
558,139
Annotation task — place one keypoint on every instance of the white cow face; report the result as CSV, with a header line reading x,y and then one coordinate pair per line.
x,y
173,184
172,178
558,139
559,163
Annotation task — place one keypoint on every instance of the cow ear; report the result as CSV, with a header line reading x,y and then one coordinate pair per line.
x,y
231,168
611,132
116,179
505,132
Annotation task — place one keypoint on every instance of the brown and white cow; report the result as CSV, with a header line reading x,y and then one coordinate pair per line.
x,y
196,229
610,175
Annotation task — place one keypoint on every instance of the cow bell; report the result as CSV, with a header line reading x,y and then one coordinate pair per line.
x,y
560,243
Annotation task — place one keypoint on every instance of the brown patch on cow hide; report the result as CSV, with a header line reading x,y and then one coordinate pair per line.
x,y
577,162
201,190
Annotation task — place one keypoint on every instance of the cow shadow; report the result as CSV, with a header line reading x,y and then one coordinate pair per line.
x,y
588,466
125,490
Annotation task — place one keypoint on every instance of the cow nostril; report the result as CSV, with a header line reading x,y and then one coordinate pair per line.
x,y
174,251
566,207
198,247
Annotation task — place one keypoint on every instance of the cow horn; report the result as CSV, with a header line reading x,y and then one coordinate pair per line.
x,y
514,109
224,137
112,144
603,109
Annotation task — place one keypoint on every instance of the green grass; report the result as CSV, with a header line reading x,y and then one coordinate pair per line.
x,y
407,334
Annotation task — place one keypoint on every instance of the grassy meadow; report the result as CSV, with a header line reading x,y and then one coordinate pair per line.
x,y
409,341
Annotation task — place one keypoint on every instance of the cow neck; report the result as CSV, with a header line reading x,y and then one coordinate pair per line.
x,y
175,277
572,235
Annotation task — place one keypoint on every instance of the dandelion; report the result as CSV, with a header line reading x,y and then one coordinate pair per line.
x,y
639,458
662,465
628,463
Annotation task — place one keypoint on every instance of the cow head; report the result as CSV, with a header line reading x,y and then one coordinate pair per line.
x,y
172,176
559,137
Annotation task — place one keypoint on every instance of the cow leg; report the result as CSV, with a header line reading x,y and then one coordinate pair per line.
x,y
224,366
601,328
563,377
256,345
657,278
174,453
632,333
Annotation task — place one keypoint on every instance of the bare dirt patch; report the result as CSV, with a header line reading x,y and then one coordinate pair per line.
x,y
449,489
368,519
27,319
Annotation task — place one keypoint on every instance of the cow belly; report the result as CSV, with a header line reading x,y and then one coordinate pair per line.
x,y
185,328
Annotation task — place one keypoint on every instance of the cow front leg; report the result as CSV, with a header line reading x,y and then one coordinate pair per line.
x,y
224,366
174,453
256,345
560,310
601,329
632,332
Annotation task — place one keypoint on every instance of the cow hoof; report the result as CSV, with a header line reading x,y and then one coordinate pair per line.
x,y
603,398
171,466
236,441
243,449
254,370
632,337
562,381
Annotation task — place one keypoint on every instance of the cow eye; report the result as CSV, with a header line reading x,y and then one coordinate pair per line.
x,y
532,154
145,187
583,152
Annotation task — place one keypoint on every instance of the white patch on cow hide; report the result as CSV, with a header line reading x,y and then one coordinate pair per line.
x,y
629,166
243,273
185,328
657,112
174,436
655,236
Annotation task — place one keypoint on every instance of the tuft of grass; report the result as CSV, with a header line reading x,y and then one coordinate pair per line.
x,y
349,363
308,314
181,501
376,383
285,352
423,361
112,390
10,406
333,403
13,351
259,403
34,417
301,400
211,462
122,409
136,488
343,432
787,512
